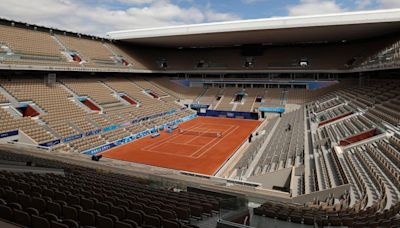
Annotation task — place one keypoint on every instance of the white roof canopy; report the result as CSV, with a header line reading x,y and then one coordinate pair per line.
x,y
280,30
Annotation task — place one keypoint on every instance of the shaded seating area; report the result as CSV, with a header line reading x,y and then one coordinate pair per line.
x,y
321,218
84,197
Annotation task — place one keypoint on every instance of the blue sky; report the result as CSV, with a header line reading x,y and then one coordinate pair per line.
x,y
101,16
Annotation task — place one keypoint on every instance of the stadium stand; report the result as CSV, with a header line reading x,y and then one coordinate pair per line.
x,y
65,117
209,96
93,52
29,126
388,57
279,154
275,97
243,164
176,89
86,197
57,106
31,43
215,58
3,99
249,99
226,102
131,89
92,88
326,151
144,84
351,116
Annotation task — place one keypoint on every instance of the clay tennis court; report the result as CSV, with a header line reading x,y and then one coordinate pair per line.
x,y
187,150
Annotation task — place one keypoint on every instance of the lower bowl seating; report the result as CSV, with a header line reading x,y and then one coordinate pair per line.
x,y
86,197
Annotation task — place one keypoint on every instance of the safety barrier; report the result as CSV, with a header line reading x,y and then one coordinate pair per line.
x,y
230,114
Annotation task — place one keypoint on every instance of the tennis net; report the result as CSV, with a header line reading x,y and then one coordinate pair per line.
x,y
200,133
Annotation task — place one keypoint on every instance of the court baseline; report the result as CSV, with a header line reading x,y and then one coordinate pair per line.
x,y
152,148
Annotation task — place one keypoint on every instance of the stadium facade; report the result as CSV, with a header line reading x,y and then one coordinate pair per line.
x,y
291,120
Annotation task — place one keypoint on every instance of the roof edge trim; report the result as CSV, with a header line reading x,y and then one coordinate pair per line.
x,y
360,17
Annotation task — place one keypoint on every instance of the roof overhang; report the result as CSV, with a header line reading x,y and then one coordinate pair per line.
x,y
279,30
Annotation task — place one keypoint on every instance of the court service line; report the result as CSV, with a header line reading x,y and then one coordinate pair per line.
x,y
153,149
191,140
169,140
217,142
171,154
212,142
183,142
216,124
160,142
230,126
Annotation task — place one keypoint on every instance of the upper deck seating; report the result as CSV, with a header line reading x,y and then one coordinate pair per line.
x,y
29,42
92,88
177,90
92,51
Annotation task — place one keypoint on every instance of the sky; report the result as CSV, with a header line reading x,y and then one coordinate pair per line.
x,y
97,17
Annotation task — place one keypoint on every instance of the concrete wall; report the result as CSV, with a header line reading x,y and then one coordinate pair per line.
x,y
8,139
277,178
24,138
322,195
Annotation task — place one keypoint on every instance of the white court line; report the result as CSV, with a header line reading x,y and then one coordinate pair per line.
x,y
218,124
212,141
216,143
184,143
223,136
160,142
235,128
176,155
168,140
226,130
188,142
151,147
197,144
194,157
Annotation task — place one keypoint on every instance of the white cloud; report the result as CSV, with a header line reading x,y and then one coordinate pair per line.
x,y
251,1
313,7
136,2
388,4
216,16
98,19
380,4
363,4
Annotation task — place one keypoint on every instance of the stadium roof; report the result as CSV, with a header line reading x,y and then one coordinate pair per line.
x,y
280,30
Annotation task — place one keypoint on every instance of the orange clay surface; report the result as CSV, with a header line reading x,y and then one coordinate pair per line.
x,y
199,154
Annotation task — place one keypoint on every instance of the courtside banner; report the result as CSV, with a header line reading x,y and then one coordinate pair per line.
x,y
125,124
271,109
73,137
135,136
94,132
125,140
116,143
99,149
110,128
8,134
229,114
142,134
113,127
199,106
51,143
